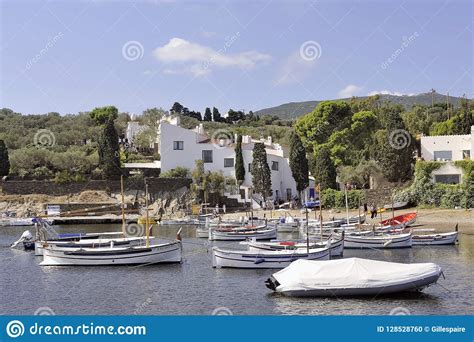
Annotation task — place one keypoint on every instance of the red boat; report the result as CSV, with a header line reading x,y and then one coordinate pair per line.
x,y
400,221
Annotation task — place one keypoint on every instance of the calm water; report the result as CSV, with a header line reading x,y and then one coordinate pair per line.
x,y
195,288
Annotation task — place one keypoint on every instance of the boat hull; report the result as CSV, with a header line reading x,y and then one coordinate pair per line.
x,y
435,239
269,259
165,253
262,234
378,242
336,248
416,285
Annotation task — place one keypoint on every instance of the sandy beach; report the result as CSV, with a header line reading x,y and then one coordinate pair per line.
x,y
443,220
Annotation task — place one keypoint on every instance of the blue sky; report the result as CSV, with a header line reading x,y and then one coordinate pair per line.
x,y
71,56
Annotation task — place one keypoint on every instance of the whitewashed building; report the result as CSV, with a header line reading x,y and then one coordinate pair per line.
x,y
448,149
180,147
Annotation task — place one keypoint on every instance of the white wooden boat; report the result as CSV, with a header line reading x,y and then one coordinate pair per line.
x,y
202,232
383,241
336,245
16,221
435,239
287,227
264,259
396,205
243,233
170,252
351,277
89,243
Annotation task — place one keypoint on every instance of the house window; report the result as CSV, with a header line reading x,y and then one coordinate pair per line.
x,y
443,155
448,179
207,156
288,195
250,167
178,145
274,166
466,154
228,162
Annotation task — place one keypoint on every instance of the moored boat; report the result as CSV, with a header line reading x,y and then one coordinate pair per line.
x,y
262,232
435,239
264,259
351,277
400,221
383,241
336,245
132,255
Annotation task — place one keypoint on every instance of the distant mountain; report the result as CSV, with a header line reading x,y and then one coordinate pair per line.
x,y
295,109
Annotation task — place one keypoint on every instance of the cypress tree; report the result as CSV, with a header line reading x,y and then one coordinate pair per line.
x,y
239,162
324,169
394,150
109,153
465,120
216,116
261,174
4,160
207,114
298,163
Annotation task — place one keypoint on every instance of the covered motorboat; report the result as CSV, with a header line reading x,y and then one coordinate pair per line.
x,y
351,277
264,259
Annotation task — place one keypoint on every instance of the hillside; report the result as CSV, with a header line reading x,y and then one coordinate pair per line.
x,y
295,109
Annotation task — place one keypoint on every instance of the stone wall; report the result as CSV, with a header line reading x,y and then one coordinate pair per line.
x,y
155,185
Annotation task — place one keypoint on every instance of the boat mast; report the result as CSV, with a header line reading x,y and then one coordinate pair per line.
x,y
320,211
123,205
347,204
146,216
307,230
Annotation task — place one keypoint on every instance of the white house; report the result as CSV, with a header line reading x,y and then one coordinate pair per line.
x,y
182,147
448,149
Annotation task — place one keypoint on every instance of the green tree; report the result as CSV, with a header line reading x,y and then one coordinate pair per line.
x,y
178,172
207,114
109,154
101,115
316,127
465,120
239,162
298,163
216,116
4,160
394,149
324,169
177,108
261,174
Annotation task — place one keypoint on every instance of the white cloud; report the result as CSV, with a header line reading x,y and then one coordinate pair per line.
x,y
349,91
198,59
388,92
294,69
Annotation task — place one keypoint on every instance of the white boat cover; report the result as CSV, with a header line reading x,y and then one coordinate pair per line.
x,y
349,273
